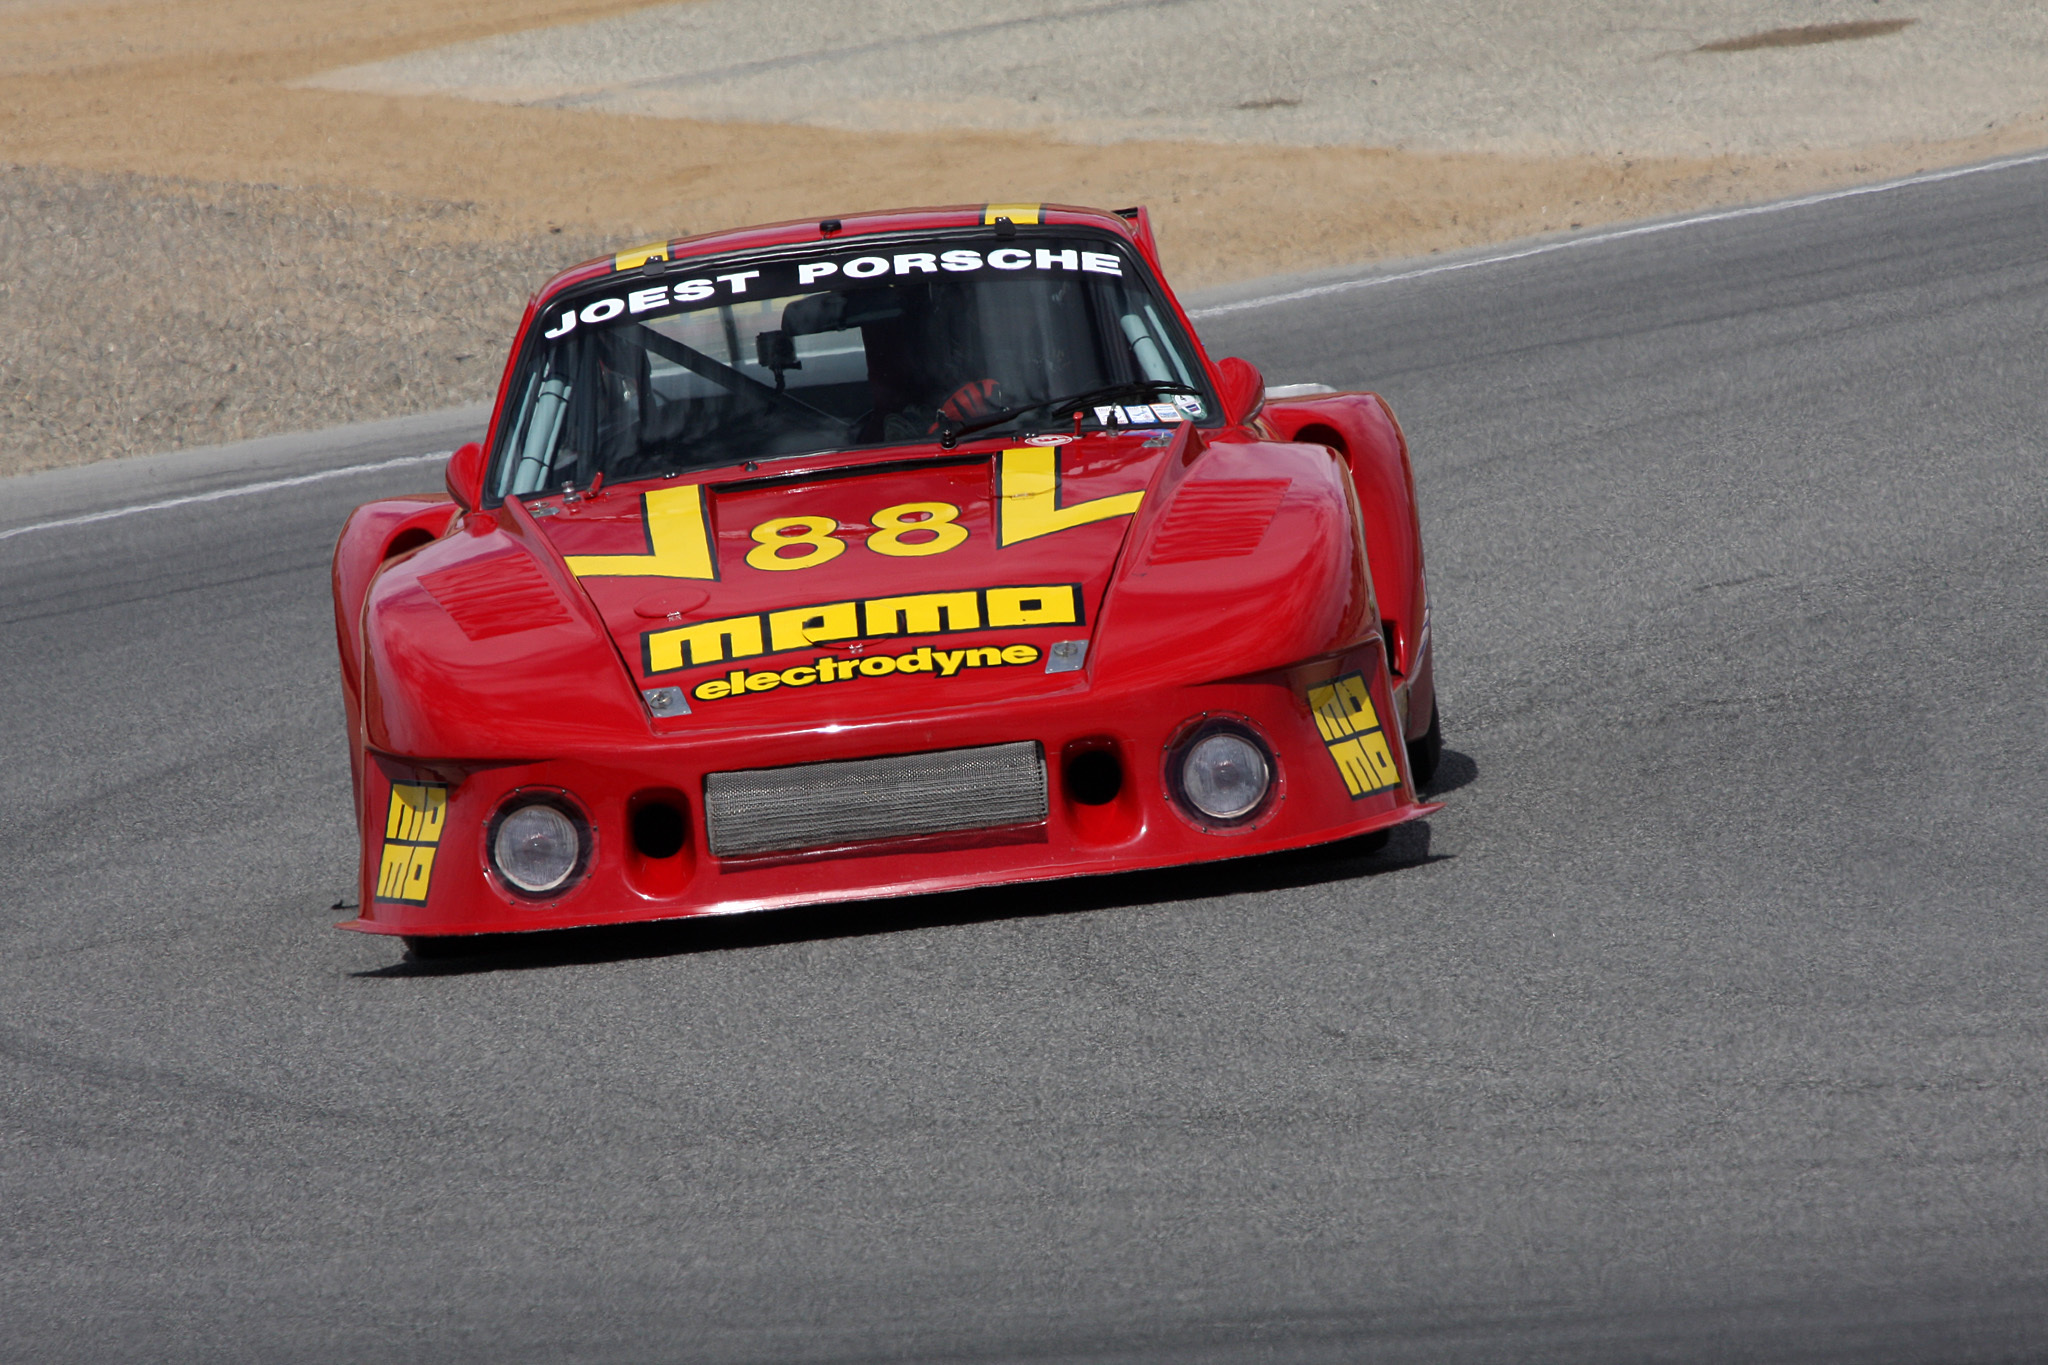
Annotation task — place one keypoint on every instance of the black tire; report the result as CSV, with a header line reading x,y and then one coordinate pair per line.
x,y
438,947
1427,751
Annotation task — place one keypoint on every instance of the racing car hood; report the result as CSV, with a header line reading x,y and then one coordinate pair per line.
x,y
854,591
933,560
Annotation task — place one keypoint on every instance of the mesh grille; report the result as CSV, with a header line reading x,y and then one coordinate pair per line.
x,y
822,805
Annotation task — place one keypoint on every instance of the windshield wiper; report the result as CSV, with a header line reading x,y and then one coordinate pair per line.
x,y
1130,388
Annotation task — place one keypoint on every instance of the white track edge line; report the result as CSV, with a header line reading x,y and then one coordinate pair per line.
x,y
239,490
1600,238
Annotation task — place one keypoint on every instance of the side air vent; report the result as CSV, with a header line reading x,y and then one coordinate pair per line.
x,y
499,595
1218,519
827,805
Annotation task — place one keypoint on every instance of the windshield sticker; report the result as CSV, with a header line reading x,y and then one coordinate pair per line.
x,y
1184,408
781,278
1022,215
940,663
1352,734
924,613
638,256
412,835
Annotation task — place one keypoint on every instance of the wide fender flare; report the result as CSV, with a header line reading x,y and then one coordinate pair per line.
x,y
374,535
479,646
1361,428
1251,561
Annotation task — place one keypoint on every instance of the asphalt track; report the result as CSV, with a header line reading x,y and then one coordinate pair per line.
x,y
1705,1023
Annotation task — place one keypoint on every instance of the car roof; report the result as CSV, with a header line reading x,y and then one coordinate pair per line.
x,y
853,225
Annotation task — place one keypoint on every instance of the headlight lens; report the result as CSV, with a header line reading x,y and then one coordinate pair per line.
x,y
1225,776
536,848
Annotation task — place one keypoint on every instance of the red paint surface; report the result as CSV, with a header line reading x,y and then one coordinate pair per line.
x,y
478,659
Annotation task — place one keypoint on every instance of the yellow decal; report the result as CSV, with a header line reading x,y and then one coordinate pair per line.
x,y
810,535
802,627
924,613
894,527
941,663
1030,498
707,642
1351,731
412,834
640,255
1023,215
678,541
678,527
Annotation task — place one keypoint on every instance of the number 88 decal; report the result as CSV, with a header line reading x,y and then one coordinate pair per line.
x,y
909,530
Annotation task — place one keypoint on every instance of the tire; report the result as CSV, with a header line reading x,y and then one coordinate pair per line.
x,y
438,947
1426,752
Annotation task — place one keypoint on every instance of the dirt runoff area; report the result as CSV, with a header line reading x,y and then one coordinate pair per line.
x,y
224,219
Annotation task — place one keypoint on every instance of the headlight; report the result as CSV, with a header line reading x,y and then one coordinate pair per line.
x,y
537,848
1225,775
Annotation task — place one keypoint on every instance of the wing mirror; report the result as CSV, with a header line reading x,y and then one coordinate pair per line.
x,y
1243,390
465,476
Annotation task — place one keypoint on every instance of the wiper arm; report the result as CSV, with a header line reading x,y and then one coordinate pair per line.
x,y
1131,388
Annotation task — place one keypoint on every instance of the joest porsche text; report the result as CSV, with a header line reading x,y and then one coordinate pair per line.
x,y
662,297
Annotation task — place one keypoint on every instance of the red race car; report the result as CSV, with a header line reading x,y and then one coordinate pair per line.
x,y
889,554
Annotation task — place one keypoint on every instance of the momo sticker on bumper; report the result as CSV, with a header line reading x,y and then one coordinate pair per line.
x,y
1351,732
412,836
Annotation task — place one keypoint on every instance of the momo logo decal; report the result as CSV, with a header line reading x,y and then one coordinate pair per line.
x,y
412,835
923,613
940,663
1351,731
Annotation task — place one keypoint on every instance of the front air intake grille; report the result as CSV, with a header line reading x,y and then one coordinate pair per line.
x,y
827,805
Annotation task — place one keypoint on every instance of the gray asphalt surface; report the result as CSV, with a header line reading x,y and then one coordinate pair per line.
x,y
1704,1024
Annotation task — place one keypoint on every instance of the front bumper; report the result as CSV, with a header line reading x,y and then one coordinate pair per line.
x,y
425,868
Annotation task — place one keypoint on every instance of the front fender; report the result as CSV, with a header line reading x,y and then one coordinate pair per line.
x,y
1361,428
480,647
1253,562
374,535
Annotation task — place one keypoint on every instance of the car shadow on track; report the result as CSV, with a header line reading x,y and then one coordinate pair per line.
x,y
1352,859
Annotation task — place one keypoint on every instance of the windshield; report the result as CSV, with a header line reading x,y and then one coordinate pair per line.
x,y
776,357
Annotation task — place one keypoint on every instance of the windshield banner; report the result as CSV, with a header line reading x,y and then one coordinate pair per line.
x,y
779,279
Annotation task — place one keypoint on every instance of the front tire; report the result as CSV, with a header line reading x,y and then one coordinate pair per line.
x,y
1425,752
438,947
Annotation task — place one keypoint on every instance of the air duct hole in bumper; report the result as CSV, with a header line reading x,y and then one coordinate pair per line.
x,y
1096,795
659,857
1094,777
